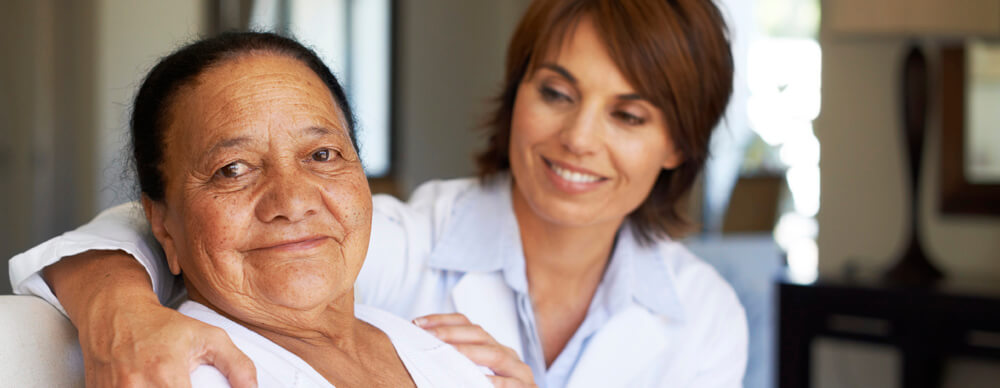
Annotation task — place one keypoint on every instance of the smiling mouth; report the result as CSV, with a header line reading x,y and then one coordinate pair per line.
x,y
573,176
294,245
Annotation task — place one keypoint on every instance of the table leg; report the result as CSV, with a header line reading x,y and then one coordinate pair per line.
x,y
794,337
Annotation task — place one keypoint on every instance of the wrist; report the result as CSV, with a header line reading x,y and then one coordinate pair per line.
x,y
97,284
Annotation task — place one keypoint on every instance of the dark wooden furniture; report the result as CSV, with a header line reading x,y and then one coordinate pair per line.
x,y
927,325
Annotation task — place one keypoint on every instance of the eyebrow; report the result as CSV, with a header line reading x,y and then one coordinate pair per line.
x,y
559,69
566,74
228,143
314,132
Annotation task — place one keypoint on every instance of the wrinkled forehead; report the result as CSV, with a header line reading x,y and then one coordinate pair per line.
x,y
249,91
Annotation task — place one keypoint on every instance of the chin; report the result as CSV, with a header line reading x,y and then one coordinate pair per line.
x,y
565,213
301,290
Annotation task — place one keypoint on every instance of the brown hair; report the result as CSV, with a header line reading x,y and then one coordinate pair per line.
x,y
674,52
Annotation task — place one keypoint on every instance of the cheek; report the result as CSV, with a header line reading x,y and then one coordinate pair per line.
x,y
216,224
531,122
350,201
642,159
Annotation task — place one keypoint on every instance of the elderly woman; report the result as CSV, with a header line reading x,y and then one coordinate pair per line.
x,y
563,250
251,183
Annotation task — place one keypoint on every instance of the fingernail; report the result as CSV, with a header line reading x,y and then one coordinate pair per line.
x,y
419,321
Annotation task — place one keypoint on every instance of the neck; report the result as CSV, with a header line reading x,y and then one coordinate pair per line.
x,y
305,333
561,259
345,350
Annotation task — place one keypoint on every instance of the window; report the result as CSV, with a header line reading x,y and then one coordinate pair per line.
x,y
768,130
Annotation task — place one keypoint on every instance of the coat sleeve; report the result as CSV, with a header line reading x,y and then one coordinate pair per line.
x,y
395,274
123,227
383,272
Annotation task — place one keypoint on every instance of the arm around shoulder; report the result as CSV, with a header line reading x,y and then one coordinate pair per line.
x,y
119,229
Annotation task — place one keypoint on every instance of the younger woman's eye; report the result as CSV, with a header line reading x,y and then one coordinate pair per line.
x,y
321,155
233,170
629,118
551,95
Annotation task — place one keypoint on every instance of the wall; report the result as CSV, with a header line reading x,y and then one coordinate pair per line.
x,y
15,112
864,195
450,65
46,117
131,36
67,78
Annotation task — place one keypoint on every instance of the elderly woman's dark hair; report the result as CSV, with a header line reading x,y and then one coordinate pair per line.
x,y
675,53
150,113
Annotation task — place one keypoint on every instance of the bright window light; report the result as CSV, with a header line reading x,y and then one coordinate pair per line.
x,y
353,39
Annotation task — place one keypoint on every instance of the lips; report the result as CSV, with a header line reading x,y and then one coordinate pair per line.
x,y
295,244
573,174
571,179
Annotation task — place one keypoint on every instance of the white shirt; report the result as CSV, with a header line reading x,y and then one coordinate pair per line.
x,y
660,317
430,362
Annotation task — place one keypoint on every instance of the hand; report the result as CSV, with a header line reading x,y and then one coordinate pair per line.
x,y
127,338
154,346
476,344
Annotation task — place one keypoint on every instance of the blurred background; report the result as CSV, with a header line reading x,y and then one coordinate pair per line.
x,y
808,179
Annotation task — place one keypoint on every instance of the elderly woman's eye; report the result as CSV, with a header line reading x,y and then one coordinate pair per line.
x,y
321,155
232,170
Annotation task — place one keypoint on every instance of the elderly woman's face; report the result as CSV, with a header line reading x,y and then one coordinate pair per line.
x,y
266,205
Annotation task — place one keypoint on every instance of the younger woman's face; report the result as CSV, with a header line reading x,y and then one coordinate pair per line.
x,y
585,148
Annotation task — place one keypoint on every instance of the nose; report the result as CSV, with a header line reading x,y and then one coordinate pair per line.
x,y
288,196
582,133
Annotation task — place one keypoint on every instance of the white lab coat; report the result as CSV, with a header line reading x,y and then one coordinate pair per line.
x,y
635,348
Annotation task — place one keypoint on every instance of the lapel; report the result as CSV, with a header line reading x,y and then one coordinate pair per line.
x,y
487,301
610,358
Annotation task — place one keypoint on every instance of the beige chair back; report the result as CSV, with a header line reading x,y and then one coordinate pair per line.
x,y
38,345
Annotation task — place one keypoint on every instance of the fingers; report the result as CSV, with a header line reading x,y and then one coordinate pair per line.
x,y
154,371
502,360
167,376
228,359
507,382
435,320
464,334
160,348
475,343
154,376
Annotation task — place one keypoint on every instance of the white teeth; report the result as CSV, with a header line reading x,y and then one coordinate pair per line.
x,y
573,176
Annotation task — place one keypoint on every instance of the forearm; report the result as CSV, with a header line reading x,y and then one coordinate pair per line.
x,y
127,337
90,284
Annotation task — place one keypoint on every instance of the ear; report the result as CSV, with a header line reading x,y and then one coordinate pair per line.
x,y
673,160
156,213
